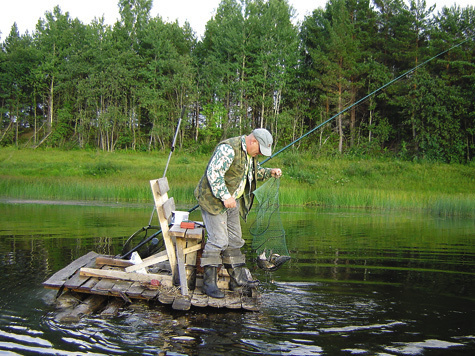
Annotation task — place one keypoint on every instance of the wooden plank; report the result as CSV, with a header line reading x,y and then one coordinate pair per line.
x,y
168,208
199,299
112,308
193,246
135,277
180,257
159,199
190,263
135,290
120,286
58,279
150,293
160,257
182,302
103,286
162,185
233,300
147,263
77,280
88,285
196,233
159,254
109,261
223,279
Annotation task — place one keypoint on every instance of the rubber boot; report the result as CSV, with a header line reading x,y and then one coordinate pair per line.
x,y
210,288
239,280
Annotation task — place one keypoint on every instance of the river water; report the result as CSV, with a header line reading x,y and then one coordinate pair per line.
x,y
359,283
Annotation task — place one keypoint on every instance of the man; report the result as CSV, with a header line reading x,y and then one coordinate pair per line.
x,y
224,193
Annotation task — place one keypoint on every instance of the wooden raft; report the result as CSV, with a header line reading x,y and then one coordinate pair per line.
x,y
107,278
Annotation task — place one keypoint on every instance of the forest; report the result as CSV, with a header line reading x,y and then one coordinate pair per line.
x,y
122,87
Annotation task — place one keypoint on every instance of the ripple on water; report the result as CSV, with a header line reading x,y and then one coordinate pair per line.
x,y
418,348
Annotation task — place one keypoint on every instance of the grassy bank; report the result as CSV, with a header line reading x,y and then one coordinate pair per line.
x,y
307,181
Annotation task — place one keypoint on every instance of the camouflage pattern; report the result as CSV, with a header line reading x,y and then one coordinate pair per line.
x,y
219,164
228,171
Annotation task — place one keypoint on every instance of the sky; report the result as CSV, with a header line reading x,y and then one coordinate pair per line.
x,y
26,13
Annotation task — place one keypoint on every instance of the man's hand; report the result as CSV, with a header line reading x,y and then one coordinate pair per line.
x,y
230,203
276,172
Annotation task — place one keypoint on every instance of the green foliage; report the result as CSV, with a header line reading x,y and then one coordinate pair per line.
x,y
307,180
101,169
75,85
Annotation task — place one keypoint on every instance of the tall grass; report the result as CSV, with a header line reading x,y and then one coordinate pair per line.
x,y
307,180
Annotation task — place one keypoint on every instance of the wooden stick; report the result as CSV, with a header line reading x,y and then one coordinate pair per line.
x,y
154,260
135,277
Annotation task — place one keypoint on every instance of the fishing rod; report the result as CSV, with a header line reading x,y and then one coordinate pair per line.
x,y
151,237
174,140
364,99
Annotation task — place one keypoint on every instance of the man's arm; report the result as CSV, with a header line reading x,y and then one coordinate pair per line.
x,y
265,173
218,166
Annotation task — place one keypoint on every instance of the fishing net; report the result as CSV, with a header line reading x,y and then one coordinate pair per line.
x,y
267,230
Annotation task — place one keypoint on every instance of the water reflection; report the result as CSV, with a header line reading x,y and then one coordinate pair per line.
x,y
358,283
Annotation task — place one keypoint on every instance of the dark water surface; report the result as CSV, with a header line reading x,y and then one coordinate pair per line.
x,y
359,283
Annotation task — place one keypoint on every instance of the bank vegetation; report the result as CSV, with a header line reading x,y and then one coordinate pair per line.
x,y
308,180
92,86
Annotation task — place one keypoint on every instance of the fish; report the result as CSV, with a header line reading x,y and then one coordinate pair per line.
x,y
271,263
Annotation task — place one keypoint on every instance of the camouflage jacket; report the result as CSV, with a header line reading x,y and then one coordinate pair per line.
x,y
230,172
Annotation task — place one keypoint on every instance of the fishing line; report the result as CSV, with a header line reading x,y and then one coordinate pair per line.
x,y
365,98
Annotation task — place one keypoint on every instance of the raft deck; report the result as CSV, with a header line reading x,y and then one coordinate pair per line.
x,y
108,276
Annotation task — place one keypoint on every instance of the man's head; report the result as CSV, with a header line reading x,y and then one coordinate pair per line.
x,y
260,142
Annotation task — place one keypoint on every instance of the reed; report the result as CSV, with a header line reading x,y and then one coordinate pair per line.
x,y
307,181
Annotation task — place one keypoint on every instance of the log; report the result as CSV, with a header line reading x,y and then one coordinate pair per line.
x,y
182,302
89,306
233,300
112,309
67,300
216,302
199,299
250,303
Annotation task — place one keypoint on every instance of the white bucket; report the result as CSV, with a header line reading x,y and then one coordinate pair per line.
x,y
179,216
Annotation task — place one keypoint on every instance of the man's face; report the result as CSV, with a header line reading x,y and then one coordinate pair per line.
x,y
253,148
